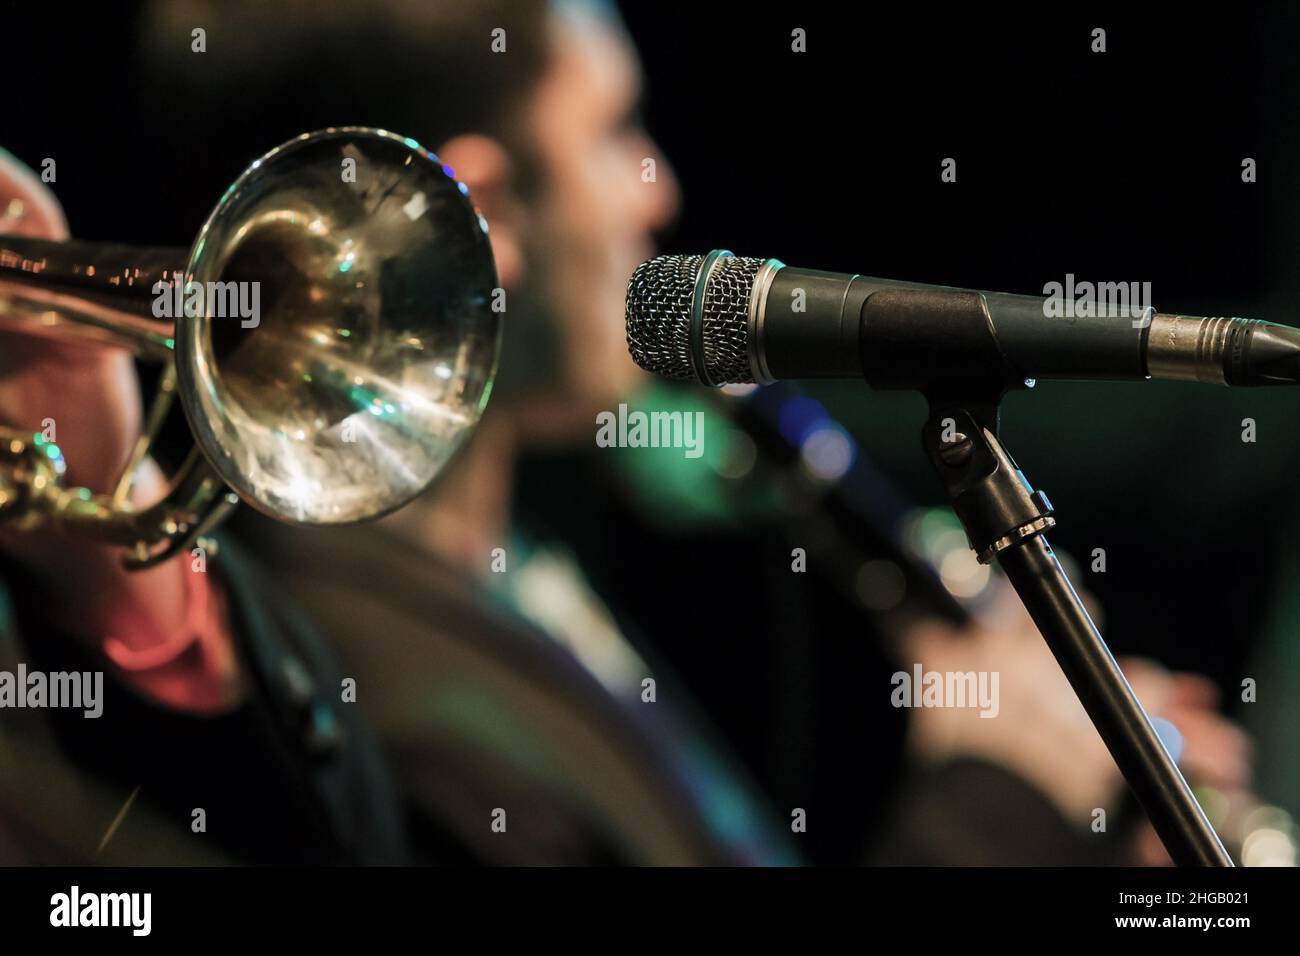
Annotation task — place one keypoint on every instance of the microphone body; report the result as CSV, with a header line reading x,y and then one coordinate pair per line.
x,y
892,332
723,319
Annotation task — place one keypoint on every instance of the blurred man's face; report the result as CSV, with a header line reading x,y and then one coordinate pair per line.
x,y
594,218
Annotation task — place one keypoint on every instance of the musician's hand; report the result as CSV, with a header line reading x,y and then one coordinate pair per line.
x,y
1041,731
88,392
91,397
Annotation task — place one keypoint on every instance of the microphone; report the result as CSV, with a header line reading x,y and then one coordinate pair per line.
x,y
724,319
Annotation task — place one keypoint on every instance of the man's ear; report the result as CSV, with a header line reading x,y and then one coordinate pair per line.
x,y
482,164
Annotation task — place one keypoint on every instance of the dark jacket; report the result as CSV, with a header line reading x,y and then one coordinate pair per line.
x,y
293,776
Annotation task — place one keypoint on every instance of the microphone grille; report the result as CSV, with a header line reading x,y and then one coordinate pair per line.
x,y
659,299
658,311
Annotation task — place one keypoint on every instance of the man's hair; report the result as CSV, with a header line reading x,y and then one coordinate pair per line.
x,y
428,69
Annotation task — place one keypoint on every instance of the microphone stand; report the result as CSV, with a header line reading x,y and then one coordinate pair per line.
x,y
1005,520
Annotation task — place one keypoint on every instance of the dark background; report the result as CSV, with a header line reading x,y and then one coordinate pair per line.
x,y
1120,166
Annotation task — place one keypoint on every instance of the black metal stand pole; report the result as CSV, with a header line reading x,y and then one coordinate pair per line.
x,y
1005,520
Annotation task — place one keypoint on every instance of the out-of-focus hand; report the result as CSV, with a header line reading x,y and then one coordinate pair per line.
x,y
1042,733
91,395
90,392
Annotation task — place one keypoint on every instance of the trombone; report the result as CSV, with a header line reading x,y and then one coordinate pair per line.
x,y
329,335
